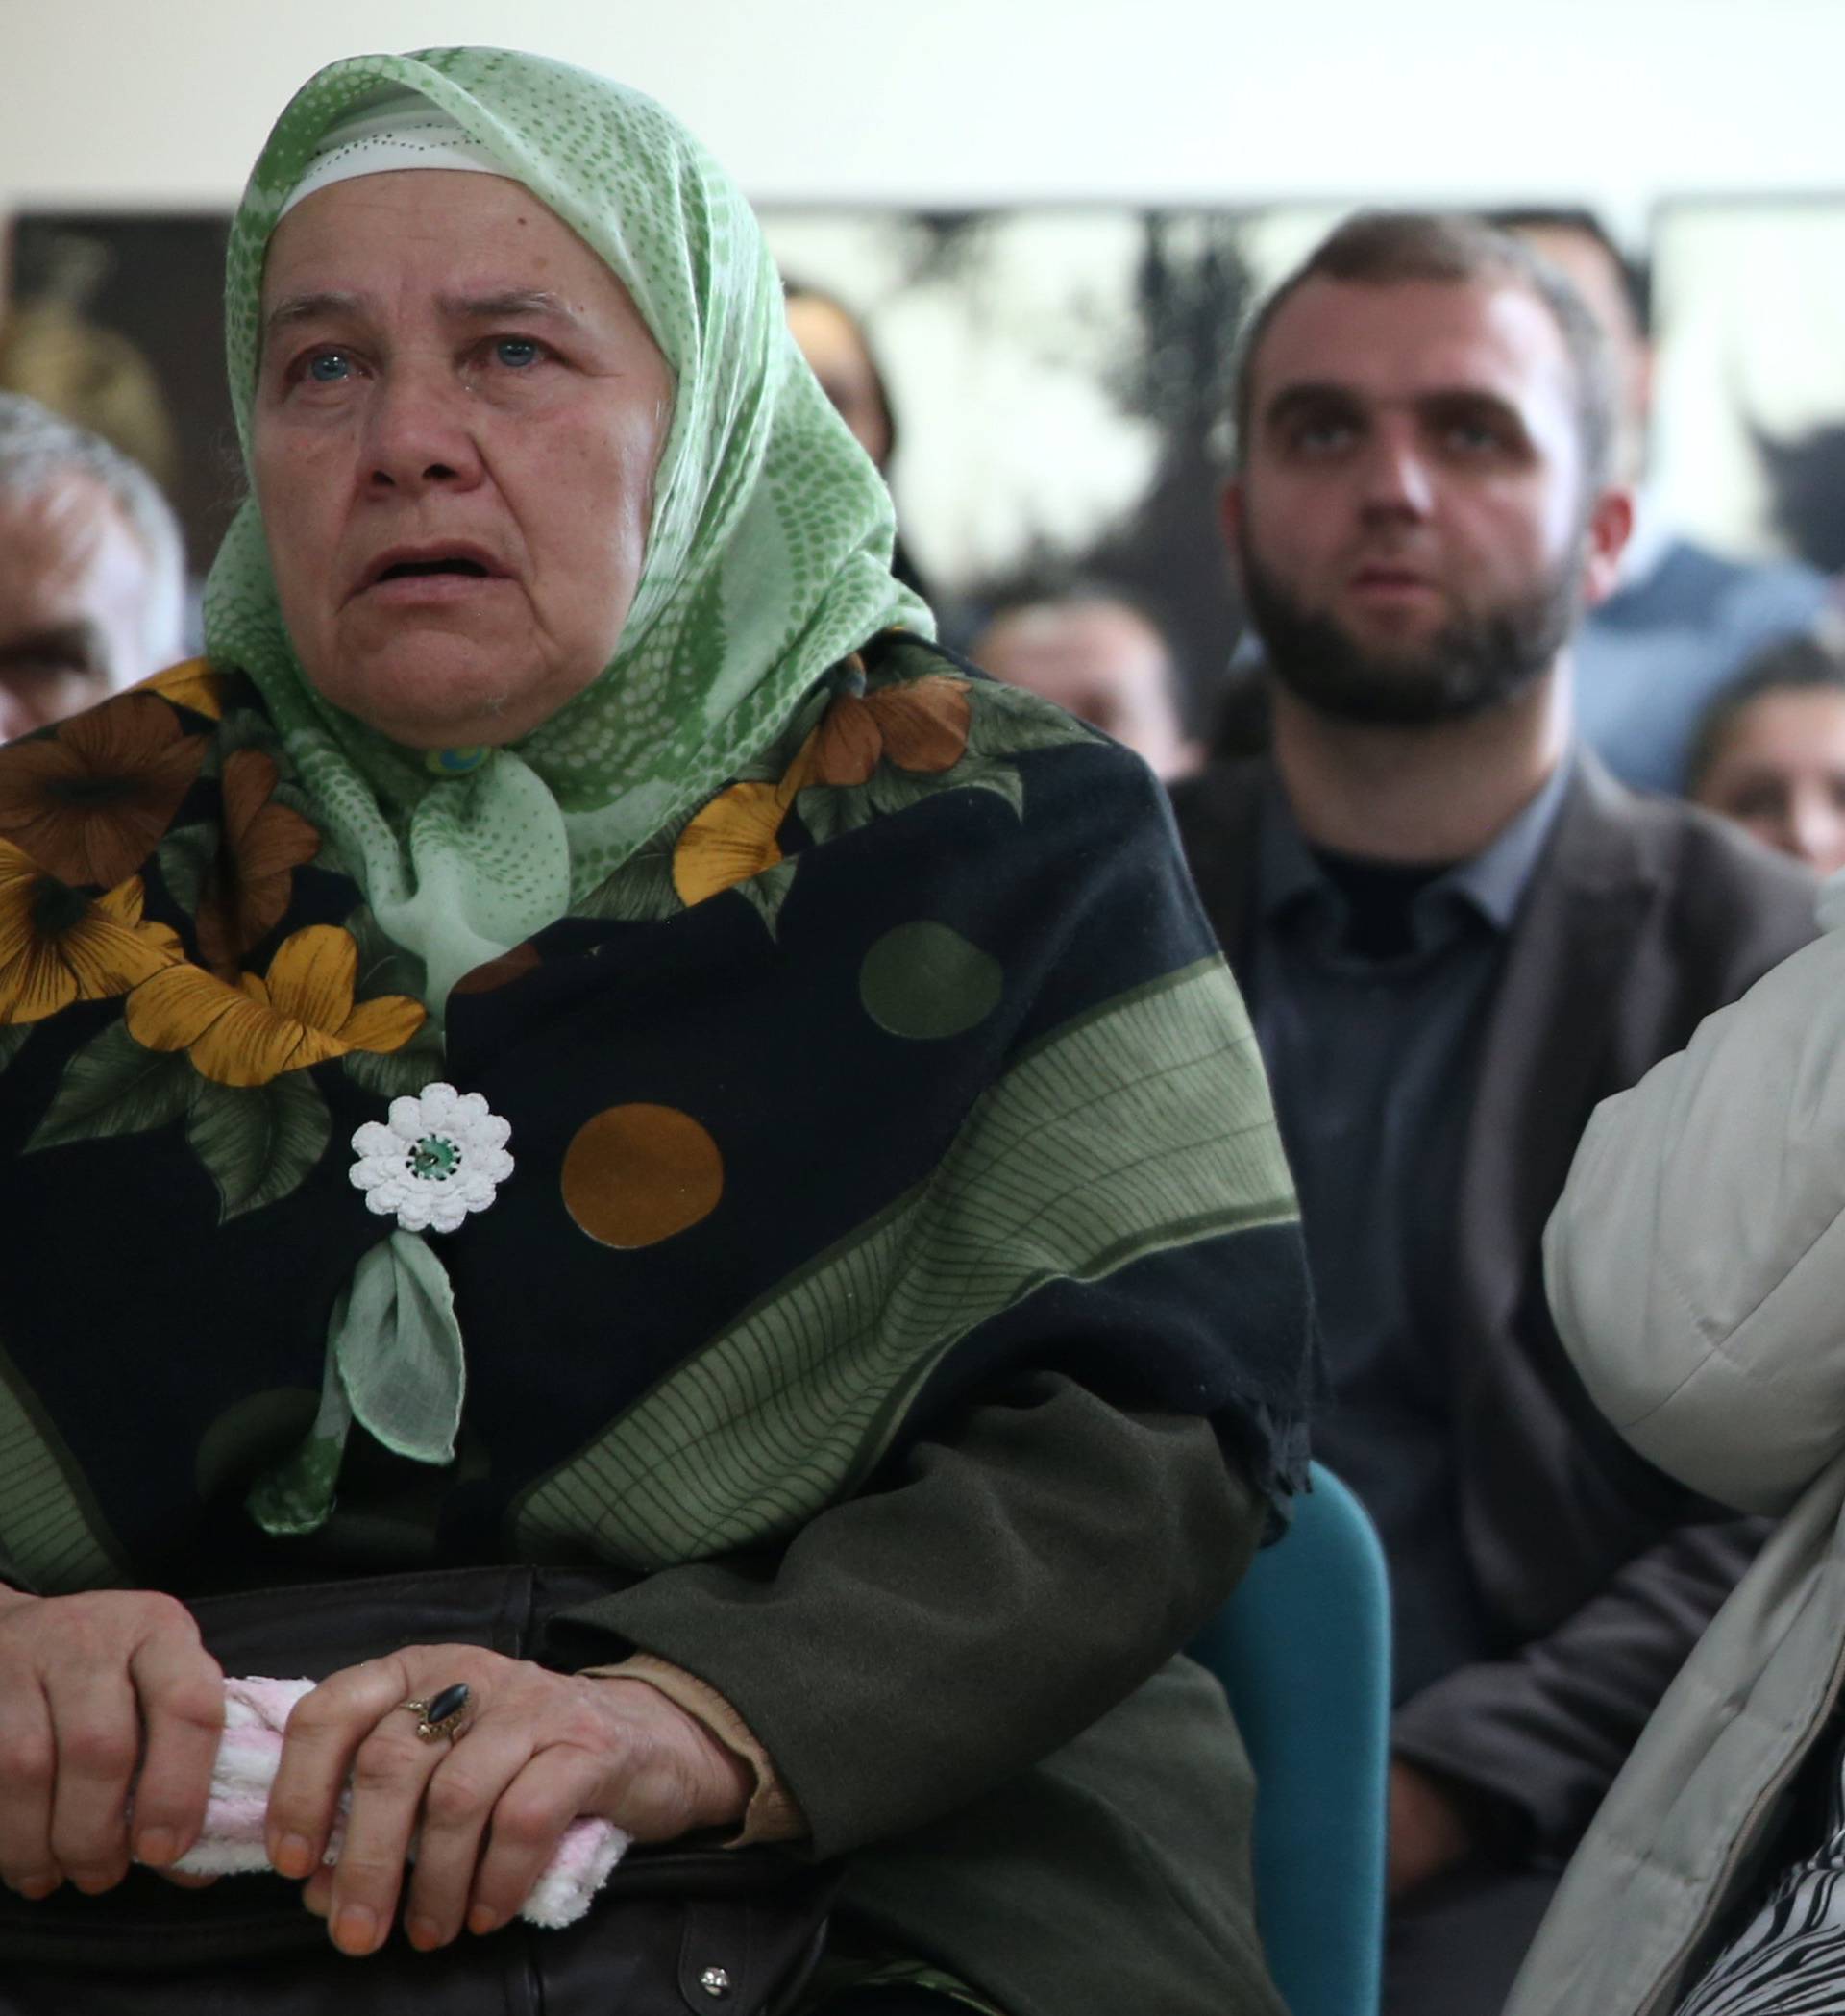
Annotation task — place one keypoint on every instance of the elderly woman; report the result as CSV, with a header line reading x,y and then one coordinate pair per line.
x,y
577,1037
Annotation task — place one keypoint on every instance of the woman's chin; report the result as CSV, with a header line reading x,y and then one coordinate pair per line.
x,y
448,697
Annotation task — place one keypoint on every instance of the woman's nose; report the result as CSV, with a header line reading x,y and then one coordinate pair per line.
x,y
422,432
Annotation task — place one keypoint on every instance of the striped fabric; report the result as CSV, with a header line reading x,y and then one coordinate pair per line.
x,y
1790,1959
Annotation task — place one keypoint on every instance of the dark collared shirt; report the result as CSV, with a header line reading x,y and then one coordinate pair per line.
x,y
1372,985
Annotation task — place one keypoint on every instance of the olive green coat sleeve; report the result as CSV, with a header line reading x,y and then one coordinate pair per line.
x,y
959,1680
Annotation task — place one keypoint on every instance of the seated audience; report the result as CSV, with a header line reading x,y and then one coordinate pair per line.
x,y
1457,933
91,569
1697,1272
1770,752
1099,656
1681,620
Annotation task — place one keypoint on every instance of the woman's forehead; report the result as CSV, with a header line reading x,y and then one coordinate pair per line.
x,y
441,226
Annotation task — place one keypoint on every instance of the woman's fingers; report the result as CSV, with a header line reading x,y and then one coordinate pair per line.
x,y
180,1693
391,1771
87,1682
352,1723
28,1770
468,1791
322,1740
528,1820
95,1727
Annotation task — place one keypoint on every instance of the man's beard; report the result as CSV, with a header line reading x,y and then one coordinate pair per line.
x,y
1471,665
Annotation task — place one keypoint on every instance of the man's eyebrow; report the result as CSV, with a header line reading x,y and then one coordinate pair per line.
x,y
1311,392
1467,399
77,645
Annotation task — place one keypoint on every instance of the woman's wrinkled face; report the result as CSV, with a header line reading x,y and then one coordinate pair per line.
x,y
457,421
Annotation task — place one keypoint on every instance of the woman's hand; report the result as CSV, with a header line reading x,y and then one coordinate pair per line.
x,y
93,1689
535,1751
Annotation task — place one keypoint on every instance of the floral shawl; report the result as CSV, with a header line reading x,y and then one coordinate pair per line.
x,y
812,1102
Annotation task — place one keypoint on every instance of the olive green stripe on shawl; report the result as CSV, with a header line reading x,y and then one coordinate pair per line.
x,y
1140,1126
52,1532
768,550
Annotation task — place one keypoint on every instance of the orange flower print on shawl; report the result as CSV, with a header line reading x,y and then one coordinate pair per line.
x,y
263,842
90,801
733,839
922,726
301,1015
191,683
58,946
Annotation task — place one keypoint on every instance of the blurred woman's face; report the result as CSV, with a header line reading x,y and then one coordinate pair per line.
x,y
459,417
1779,772
828,338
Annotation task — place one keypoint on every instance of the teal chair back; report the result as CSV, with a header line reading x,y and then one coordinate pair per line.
x,y
1303,1650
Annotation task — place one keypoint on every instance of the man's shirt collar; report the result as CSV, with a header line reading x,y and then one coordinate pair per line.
x,y
1492,883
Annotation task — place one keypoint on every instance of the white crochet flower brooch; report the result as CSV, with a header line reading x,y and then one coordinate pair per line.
x,y
442,1156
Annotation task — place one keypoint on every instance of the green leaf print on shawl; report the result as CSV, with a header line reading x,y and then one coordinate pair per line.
x,y
1140,1125
52,1531
114,1086
259,1141
767,557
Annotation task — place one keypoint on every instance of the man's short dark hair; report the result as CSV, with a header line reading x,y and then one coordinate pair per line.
x,y
1393,248
1636,275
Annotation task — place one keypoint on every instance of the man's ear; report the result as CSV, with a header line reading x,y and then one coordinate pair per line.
x,y
1230,504
1610,525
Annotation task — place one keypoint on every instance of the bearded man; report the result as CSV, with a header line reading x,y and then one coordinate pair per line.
x,y
1457,933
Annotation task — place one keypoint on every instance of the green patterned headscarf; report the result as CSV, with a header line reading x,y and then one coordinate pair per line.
x,y
766,560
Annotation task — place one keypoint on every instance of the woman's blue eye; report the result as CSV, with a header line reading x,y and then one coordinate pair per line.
x,y
329,368
516,351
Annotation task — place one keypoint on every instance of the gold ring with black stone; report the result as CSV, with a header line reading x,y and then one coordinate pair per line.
x,y
441,1714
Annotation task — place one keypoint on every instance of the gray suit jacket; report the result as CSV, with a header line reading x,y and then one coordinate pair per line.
x,y
1599,1572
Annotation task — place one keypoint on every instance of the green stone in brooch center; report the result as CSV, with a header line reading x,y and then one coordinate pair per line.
x,y
434,1159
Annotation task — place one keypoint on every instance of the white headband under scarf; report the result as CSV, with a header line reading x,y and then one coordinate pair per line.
x,y
404,132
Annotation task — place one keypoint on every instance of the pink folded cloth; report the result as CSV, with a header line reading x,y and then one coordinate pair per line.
x,y
256,1713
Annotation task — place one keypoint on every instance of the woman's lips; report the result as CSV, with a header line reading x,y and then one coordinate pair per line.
x,y
418,590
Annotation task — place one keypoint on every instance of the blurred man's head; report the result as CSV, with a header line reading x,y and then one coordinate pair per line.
x,y
1617,291
91,570
1101,658
1423,501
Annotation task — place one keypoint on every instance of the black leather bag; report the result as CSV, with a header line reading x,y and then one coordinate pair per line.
x,y
676,1931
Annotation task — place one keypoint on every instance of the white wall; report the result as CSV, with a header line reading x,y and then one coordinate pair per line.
x,y
162,103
